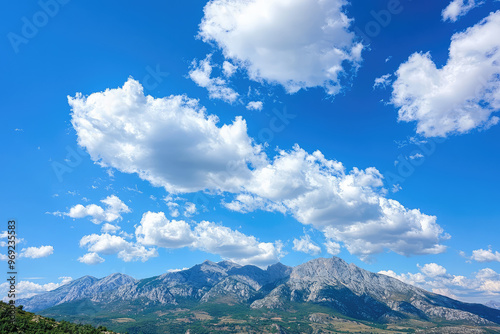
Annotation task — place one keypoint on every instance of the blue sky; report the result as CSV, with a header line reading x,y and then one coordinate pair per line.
x,y
407,179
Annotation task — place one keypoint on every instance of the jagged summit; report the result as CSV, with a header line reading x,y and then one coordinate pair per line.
x,y
86,277
277,265
228,264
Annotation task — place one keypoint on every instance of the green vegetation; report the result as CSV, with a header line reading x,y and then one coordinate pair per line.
x,y
139,318
15,320
188,316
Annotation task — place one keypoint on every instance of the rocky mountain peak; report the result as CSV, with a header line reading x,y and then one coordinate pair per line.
x,y
115,280
209,266
228,264
86,278
277,265
278,271
323,268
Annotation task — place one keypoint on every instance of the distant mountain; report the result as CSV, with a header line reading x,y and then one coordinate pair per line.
x,y
82,288
493,304
332,284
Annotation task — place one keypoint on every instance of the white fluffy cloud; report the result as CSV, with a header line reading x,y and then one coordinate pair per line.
x,y
104,243
189,209
217,87
483,255
4,241
383,81
458,8
91,258
228,69
37,252
236,246
171,142
26,289
156,230
110,228
348,207
113,211
409,278
112,244
489,281
462,95
297,44
4,235
332,248
247,203
481,287
433,270
173,207
305,245
255,105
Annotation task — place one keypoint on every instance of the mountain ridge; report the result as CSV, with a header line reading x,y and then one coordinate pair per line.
x,y
330,282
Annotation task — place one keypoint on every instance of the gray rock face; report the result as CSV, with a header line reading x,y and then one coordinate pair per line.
x,y
233,289
82,288
331,282
364,295
76,289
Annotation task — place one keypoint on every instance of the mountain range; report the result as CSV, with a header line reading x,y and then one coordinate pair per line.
x,y
345,289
